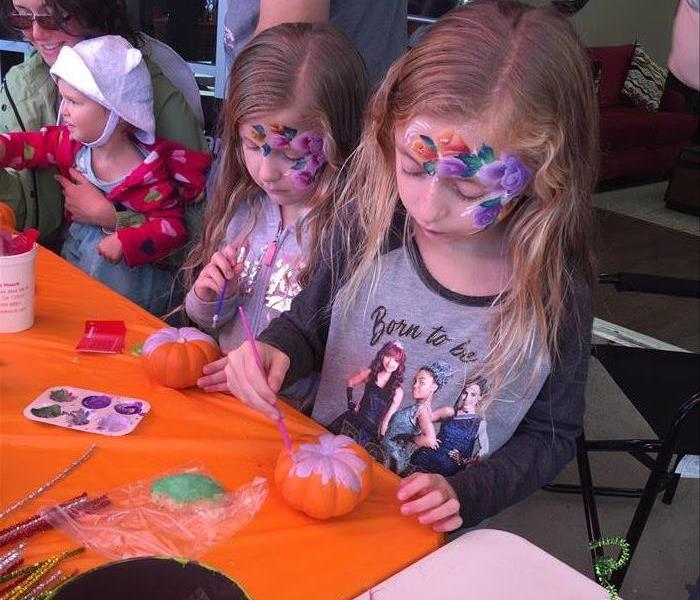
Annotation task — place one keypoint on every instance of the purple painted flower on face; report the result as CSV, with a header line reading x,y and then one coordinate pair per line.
x,y
315,162
507,175
515,177
302,179
492,174
451,167
486,215
307,143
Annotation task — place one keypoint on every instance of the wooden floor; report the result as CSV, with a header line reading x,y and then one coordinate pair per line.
x,y
628,244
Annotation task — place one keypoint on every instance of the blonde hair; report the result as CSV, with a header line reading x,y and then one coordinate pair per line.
x,y
527,68
293,62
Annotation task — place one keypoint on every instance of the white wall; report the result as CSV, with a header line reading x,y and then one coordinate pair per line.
x,y
616,22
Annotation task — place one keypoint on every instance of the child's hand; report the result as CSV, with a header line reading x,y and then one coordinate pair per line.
x,y
110,248
434,444
85,202
213,377
253,387
224,265
432,498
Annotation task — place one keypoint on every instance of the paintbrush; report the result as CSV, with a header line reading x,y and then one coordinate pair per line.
x,y
258,361
240,257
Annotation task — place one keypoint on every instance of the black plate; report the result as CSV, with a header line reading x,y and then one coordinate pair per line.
x,y
151,578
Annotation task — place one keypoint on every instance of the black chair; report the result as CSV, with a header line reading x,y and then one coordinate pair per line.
x,y
663,387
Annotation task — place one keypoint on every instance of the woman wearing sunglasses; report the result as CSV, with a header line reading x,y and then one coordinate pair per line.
x,y
29,100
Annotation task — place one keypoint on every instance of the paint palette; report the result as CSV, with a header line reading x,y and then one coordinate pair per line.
x,y
87,410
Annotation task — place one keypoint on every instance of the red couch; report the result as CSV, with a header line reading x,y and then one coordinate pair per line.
x,y
635,142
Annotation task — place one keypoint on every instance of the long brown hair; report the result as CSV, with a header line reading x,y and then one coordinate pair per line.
x,y
282,64
525,68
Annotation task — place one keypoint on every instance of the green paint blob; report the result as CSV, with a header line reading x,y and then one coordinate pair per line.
x,y
48,412
62,395
186,488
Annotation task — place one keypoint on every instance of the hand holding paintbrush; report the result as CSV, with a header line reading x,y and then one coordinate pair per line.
x,y
254,373
218,280
261,368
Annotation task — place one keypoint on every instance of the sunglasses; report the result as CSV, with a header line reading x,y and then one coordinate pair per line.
x,y
26,21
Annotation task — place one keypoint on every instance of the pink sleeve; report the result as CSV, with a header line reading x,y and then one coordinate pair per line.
x,y
163,232
49,147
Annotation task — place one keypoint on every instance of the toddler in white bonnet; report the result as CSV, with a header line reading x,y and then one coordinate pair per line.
x,y
105,135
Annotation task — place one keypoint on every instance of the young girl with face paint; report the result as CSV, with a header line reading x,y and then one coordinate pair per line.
x,y
464,230
291,118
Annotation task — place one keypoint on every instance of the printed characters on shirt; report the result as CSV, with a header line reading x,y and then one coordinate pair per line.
x,y
412,427
415,436
366,419
462,438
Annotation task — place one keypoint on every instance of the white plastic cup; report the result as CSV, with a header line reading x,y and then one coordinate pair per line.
x,y
17,291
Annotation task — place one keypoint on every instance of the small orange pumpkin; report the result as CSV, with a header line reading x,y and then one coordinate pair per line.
x,y
326,479
8,220
175,357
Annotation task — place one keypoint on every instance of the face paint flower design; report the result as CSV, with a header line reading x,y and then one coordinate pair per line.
x,y
424,149
487,213
305,169
447,155
451,167
307,143
508,176
258,135
280,136
451,141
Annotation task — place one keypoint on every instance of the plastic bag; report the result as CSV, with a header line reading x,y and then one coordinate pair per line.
x,y
182,513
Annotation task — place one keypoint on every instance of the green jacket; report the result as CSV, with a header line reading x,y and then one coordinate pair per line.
x,y
28,101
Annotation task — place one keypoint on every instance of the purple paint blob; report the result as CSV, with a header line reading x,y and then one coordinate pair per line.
x,y
96,402
114,423
129,408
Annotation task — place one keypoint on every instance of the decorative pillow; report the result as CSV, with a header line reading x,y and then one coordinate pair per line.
x,y
645,80
597,70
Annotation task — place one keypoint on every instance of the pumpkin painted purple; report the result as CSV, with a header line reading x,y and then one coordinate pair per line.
x,y
325,479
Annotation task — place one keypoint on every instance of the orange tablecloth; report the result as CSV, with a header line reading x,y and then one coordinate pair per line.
x,y
281,554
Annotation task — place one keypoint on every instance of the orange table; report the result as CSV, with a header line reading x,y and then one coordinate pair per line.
x,y
281,554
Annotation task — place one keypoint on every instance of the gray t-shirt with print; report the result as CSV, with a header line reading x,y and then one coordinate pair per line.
x,y
424,329
378,28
